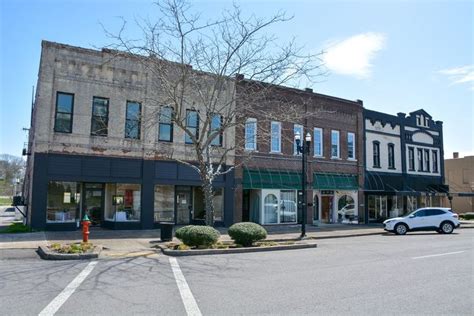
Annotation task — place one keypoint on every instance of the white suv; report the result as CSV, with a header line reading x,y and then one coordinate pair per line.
x,y
440,219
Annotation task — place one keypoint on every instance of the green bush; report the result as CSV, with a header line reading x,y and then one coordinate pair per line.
x,y
467,216
196,236
247,233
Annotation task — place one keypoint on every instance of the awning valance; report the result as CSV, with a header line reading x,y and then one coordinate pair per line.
x,y
333,181
271,179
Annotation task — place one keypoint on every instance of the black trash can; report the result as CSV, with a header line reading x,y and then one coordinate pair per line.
x,y
166,231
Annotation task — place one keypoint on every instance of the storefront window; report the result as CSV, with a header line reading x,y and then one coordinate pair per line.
x,y
122,202
270,209
164,203
411,204
377,208
199,204
395,206
345,207
63,202
219,204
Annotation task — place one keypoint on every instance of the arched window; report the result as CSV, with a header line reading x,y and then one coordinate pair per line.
x,y
270,210
345,206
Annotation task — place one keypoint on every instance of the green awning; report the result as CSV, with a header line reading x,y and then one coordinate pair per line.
x,y
334,181
271,179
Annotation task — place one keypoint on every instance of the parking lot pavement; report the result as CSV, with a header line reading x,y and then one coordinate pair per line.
x,y
365,275
369,275
28,283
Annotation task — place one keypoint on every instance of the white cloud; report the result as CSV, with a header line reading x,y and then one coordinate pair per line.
x,y
457,75
353,56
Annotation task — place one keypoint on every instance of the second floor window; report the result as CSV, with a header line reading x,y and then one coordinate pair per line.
x,y
420,159
335,144
350,146
275,137
192,125
216,122
427,160
132,120
318,142
64,111
165,129
376,154
297,129
391,156
435,161
411,158
100,116
251,134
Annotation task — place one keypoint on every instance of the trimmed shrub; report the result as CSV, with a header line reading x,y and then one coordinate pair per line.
x,y
467,216
246,233
195,236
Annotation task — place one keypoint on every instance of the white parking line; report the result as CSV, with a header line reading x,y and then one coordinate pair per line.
x,y
59,300
439,255
188,299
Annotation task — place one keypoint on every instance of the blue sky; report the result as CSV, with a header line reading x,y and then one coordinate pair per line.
x,y
396,56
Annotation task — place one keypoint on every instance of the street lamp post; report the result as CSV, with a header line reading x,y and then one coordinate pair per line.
x,y
304,149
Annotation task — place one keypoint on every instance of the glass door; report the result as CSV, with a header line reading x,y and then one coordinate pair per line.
x,y
288,206
184,205
93,202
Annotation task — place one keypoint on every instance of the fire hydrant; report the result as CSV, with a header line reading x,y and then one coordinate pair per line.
x,y
85,228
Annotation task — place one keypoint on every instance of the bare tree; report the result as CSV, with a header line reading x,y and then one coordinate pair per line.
x,y
209,75
12,169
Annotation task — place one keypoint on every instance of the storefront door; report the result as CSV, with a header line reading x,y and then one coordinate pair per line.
x,y
93,203
326,205
184,205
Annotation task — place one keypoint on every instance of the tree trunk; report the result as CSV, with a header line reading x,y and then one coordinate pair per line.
x,y
208,201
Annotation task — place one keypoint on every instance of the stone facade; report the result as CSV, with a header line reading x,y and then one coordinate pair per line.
x,y
81,159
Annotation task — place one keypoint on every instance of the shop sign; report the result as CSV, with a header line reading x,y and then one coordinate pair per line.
x,y
327,192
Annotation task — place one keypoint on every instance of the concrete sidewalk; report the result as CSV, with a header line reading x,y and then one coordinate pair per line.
x,y
131,243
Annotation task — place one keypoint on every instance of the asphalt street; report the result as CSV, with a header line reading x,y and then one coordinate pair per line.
x,y
420,273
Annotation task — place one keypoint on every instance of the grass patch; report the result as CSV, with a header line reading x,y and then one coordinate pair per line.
x,y
82,247
16,228
5,201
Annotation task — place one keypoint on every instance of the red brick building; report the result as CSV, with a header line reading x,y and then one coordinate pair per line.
x,y
268,173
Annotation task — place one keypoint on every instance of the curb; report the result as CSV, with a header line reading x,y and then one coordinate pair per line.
x,y
325,237
46,254
198,252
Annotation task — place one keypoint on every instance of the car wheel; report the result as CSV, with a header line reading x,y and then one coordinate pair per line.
x,y
401,229
447,227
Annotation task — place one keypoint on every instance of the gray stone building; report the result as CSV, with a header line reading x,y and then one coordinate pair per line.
x,y
102,143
